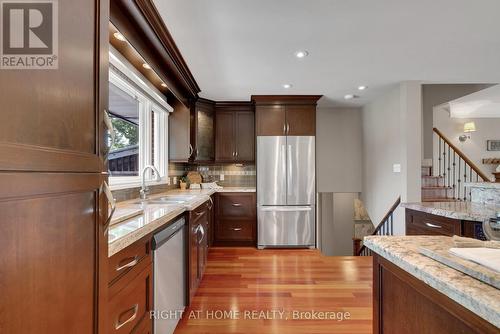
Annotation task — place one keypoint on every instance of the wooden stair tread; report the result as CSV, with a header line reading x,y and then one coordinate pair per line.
x,y
436,187
432,177
439,200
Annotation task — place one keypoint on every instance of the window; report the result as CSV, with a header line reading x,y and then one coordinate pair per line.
x,y
140,120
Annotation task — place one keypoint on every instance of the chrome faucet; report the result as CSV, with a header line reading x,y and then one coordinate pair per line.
x,y
144,189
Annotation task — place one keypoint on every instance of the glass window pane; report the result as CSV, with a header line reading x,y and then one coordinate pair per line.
x,y
124,111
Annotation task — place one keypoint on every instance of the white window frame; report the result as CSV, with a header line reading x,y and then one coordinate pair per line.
x,y
147,106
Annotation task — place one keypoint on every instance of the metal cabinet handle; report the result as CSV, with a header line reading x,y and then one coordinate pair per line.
x,y
191,150
119,324
287,128
211,203
202,231
433,226
237,229
129,264
284,128
109,196
109,125
236,204
236,154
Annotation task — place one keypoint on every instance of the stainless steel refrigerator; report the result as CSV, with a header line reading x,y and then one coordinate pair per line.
x,y
286,191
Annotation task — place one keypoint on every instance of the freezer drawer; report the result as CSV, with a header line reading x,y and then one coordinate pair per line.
x,y
286,226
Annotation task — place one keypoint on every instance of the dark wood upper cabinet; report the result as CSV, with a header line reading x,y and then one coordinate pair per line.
x,y
179,133
225,129
235,132
49,118
245,135
203,130
287,115
301,120
271,120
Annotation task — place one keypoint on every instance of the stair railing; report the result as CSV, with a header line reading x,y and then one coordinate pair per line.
x,y
456,168
386,227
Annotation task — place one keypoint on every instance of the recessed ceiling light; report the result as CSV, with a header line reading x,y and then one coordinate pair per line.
x,y
286,86
350,96
164,85
146,66
362,87
119,37
301,54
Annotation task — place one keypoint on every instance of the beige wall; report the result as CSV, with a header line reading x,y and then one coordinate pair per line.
x,y
338,149
337,223
392,134
436,94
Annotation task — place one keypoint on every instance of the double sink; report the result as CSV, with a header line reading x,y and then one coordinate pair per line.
x,y
167,200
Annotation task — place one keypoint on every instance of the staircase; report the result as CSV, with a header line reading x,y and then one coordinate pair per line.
x,y
433,187
452,170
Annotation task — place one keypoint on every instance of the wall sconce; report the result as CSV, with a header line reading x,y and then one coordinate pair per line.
x,y
468,128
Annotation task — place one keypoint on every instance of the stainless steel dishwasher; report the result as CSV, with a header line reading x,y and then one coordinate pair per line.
x,y
169,254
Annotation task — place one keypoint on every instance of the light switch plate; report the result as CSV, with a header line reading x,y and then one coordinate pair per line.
x,y
396,168
222,177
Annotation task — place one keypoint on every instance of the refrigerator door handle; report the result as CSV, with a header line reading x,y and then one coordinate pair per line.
x,y
285,208
290,170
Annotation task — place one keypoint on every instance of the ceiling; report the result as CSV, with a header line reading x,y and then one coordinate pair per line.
x,y
236,48
482,104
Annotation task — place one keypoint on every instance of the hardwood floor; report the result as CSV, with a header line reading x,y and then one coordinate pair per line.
x,y
247,279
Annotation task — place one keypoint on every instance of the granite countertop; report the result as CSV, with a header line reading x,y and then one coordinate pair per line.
x,y
478,297
156,215
456,210
488,185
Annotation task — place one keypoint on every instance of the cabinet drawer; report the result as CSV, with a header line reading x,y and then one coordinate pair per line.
x,y
128,258
237,205
420,223
198,213
228,230
130,305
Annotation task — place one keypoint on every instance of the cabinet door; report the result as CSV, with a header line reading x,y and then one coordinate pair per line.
x,y
245,136
224,139
54,253
271,120
180,149
301,120
204,132
48,117
193,259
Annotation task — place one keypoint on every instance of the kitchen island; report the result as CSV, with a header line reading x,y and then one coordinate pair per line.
x,y
415,294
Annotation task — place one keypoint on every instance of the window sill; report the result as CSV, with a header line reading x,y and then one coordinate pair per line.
x,y
136,183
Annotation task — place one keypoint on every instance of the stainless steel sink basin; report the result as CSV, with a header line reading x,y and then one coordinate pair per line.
x,y
169,199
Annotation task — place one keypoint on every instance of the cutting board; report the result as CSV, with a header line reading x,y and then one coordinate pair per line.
x,y
194,177
441,254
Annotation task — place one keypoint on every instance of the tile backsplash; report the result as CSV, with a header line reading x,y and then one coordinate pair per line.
x,y
234,175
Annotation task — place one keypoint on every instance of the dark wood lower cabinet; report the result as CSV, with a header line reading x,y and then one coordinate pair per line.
x,y
235,219
404,304
131,289
422,223
198,241
53,252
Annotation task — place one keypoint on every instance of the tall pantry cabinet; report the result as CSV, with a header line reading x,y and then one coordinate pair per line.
x,y
53,207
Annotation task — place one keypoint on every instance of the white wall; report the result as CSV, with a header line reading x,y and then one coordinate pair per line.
x,y
339,149
475,147
436,94
392,134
